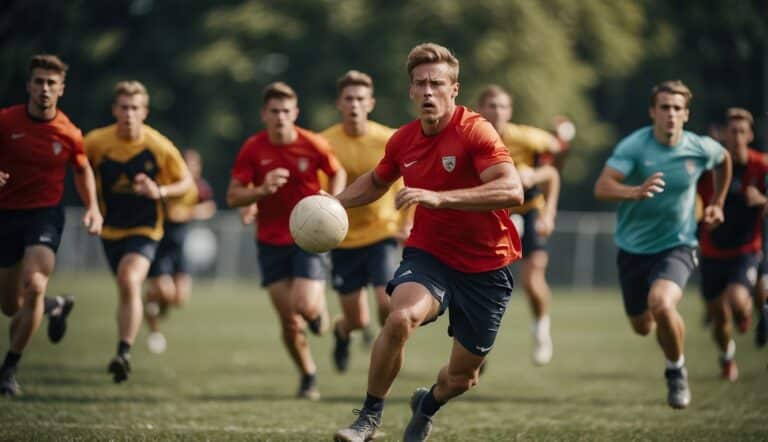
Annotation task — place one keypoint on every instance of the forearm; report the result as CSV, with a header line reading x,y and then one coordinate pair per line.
x,y
85,183
551,189
722,180
362,191
607,189
496,194
337,182
240,196
176,189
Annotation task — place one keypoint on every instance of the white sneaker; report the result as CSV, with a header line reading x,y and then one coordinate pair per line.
x,y
542,349
156,343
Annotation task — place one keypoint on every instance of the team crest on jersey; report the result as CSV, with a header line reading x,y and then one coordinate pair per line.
x,y
148,166
449,163
303,164
690,166
56,146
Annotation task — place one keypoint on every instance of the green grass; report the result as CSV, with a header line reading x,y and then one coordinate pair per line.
x,y
226,376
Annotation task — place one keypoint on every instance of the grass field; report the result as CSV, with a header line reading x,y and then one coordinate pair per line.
x,y
225,376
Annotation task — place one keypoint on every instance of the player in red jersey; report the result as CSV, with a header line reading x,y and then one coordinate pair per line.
x,y
730,253
275,169
37,143
459,175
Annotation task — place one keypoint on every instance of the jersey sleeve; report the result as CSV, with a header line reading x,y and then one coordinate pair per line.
x,y
486,146
328,163
623,158
387,170
90,148
173,166
713,151
78,159
242,171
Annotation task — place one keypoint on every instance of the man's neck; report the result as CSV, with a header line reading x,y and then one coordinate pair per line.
x,y
668,140
436,126
282,136
130,135
355,128
740,156
44,114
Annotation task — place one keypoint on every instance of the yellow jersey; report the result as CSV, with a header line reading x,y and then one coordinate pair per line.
x,y
524,143
115,163
379,220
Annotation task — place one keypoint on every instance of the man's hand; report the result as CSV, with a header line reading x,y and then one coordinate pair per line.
x,y
753,197
545,225
92,220
4,177
145,186
653,185
713,216
410,196
248,214
274,180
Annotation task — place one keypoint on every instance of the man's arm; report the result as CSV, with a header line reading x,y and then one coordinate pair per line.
x,y
365,189
721,176
609,186
501,189
85,183
239,194
146,186
337,182
549,179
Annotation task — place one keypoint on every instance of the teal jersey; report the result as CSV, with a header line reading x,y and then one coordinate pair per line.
x,y
668,219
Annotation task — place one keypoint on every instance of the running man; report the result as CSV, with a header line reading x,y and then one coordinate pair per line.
x,y
653,173
170,284
730,253
137,168
275,169
368,253
459,175
535,220
37,143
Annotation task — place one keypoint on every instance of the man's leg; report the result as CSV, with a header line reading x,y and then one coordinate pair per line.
x,y
382,303
354,316
533,275
308,296
183,284
722,332
160,294
761,305
10,289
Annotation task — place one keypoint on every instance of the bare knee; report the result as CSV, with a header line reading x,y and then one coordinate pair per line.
x,y
10,306
399,325
642,325
128,283
291,326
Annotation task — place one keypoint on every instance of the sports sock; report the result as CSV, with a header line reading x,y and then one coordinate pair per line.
x,y
11,360
373,403
51,303
541,326
730,351
676,365
430,405
123,348
308,380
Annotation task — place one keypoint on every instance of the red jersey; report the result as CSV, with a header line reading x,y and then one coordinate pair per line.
x,y
741,232
303,158
468,241
35,153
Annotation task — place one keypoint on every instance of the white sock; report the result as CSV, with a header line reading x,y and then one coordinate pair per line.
x,y
676,365
541,326
730,350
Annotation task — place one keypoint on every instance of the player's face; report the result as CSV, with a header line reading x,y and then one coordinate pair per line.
x,y
669,113
497,110
355,103
738,135
279,114
432,91
45,87
130,111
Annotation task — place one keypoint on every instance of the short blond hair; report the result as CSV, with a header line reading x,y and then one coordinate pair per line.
x,y
738,113
130,88
48,62
672,87
492,91
354,78
279,90
433,53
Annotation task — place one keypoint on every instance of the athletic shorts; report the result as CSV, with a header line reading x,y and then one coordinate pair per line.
x,y
115,249
638,272
718,273
476,302
281,262
20,229
526,227
355,268
169,259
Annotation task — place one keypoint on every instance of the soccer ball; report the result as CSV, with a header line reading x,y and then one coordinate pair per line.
x,y
318,223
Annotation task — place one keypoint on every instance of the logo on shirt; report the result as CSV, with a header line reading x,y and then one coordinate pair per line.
x,y
303,164
45,239
16,136
265,161
56,146
122,185
690,166
409,164
449,163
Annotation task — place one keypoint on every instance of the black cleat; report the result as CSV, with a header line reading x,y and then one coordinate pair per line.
x,y
420,425
308,389
119,367
57,320
340,351
679,395
8,384
362,429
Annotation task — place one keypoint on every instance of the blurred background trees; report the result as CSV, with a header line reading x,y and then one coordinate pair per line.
x,y
205,63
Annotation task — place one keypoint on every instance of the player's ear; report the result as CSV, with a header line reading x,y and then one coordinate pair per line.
x,y
371,105
687,115
455,91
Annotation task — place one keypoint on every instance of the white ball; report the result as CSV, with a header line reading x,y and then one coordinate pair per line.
x,y
318,223
200,247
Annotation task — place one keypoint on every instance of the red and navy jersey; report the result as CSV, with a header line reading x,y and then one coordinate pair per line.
x,y
468,241
741,232
36,153
302,158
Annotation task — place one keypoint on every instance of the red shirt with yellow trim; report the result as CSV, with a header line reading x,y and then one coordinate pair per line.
x,y
35,153
302,158
468,241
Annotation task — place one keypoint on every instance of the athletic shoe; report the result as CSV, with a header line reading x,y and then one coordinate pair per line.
x,y
362,429
156,343
57,319
308,389
542,348
761,331
730,371
119,367
320,325
677,383
340,350
8,384
420,425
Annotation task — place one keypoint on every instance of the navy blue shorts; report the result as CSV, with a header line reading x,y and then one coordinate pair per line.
x,y
115,249
476,302
718,273
355,268
530,238
20,229
169,259
281,262
638,272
